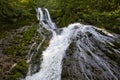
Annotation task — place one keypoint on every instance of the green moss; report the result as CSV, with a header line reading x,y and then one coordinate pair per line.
x,y
44,45
39,39
16,38
3,34
15,76
18,49
19,70
28,35
14,50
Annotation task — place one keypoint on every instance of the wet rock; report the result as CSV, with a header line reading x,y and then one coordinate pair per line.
x,y
90,58
58,30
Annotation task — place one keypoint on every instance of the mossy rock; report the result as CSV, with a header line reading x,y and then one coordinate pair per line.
x,y
19,70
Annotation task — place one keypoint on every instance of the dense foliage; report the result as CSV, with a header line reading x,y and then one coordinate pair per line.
x,y
16,13
101,13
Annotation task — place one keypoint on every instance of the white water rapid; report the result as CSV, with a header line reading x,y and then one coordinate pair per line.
x,y
87,56
51,66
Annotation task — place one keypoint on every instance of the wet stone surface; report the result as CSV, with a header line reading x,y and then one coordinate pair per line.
x,y
91,58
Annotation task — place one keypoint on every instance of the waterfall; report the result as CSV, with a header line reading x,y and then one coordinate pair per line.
x,y
51,66
63,62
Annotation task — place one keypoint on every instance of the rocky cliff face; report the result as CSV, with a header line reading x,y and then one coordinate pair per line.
x,y
13,52
17,48
92,57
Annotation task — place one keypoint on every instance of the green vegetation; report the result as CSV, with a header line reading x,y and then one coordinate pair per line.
x,y
102,13
28,35
18,13
3,34
19,70
18,46
17,53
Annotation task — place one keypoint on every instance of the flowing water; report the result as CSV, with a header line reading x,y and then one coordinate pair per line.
x,y
75,52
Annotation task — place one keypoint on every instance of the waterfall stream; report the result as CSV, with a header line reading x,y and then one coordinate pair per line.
x,y
76,52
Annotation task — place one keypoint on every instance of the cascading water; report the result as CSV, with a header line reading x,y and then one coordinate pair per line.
x,y
78,52
92,55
